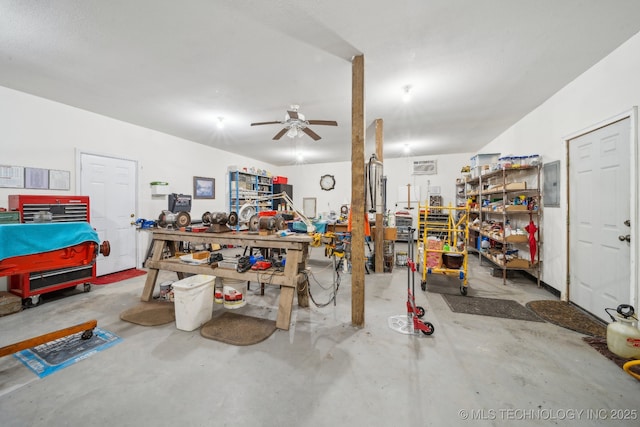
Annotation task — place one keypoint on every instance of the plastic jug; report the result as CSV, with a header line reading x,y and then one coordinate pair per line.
x,y
485,244
623,335
507,229
391,219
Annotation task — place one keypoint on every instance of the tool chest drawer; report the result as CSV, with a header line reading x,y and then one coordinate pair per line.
x,y
61,208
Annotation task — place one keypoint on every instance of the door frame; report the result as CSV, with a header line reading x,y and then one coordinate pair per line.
x,y
78,154
634,175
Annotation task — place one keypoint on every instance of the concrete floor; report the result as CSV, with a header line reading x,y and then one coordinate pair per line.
x,y
323,371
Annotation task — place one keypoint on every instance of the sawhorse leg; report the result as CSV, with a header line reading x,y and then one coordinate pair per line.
x,y
152,276
285,306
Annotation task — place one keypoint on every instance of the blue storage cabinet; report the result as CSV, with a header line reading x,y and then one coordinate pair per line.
x,y
245,186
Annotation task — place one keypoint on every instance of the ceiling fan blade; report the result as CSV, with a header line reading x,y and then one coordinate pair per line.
x,y
293,114
323,122
265,123
280,134
311,133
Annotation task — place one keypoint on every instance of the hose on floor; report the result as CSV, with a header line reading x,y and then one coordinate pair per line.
x,y
627,368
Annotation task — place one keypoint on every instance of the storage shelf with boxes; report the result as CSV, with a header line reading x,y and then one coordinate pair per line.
x,y
507,230
483,163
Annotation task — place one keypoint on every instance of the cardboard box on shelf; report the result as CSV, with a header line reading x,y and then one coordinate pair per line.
x,y
516,208
434,259
390,233
511,186
517,238
518,263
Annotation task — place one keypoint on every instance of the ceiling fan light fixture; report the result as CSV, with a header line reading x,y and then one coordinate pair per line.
x,y
220,123
296,124
292,132
406,93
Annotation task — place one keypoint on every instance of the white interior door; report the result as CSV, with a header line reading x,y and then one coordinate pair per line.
x,y
111,186
599,206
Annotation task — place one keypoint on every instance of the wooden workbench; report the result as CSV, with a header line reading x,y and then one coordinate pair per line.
x,y
297,247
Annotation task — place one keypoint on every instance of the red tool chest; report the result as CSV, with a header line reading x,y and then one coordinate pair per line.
x,y
60,274
62,208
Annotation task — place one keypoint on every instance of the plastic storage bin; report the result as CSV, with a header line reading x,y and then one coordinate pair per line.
x,y
193,299
280,180
533,160
484,159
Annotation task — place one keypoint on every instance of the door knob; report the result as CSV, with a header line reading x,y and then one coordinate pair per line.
x,y
627,223
623,238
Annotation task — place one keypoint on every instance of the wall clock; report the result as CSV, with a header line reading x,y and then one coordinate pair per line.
x,y
327,182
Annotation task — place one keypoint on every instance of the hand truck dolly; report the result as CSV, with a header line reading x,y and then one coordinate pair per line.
x,y
414,312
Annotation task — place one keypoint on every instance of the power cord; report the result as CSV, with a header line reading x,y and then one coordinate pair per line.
x,y
308,274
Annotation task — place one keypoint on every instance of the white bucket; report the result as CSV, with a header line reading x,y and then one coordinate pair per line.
x,y
193,301
165,290
217,291
234,293
391,220
401,258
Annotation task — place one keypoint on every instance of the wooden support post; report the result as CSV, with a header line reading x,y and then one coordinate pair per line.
x,y
379,237
357,192
379,138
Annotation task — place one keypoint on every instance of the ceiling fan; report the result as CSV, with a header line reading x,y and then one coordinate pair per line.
x,y
295,123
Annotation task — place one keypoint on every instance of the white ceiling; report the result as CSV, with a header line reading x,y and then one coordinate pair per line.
x,y
476,67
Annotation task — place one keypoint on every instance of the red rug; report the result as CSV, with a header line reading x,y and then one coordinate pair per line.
x,y
119,276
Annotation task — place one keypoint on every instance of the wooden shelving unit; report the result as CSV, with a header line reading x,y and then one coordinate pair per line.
x,y
461,192
470,188
507,201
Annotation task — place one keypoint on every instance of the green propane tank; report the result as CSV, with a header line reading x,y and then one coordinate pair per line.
x,y
623,335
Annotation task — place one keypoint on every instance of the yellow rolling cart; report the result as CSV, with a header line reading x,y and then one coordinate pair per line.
x,y
445,231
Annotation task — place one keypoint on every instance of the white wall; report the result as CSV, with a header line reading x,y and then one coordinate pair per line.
x,y
607,89
35,132
306,181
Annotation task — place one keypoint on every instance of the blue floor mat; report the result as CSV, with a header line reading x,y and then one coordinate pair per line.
x,y
50,357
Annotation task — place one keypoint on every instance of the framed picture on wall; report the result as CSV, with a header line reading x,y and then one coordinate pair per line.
x,y
309,206
204,188
36,178
59,180
11,176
